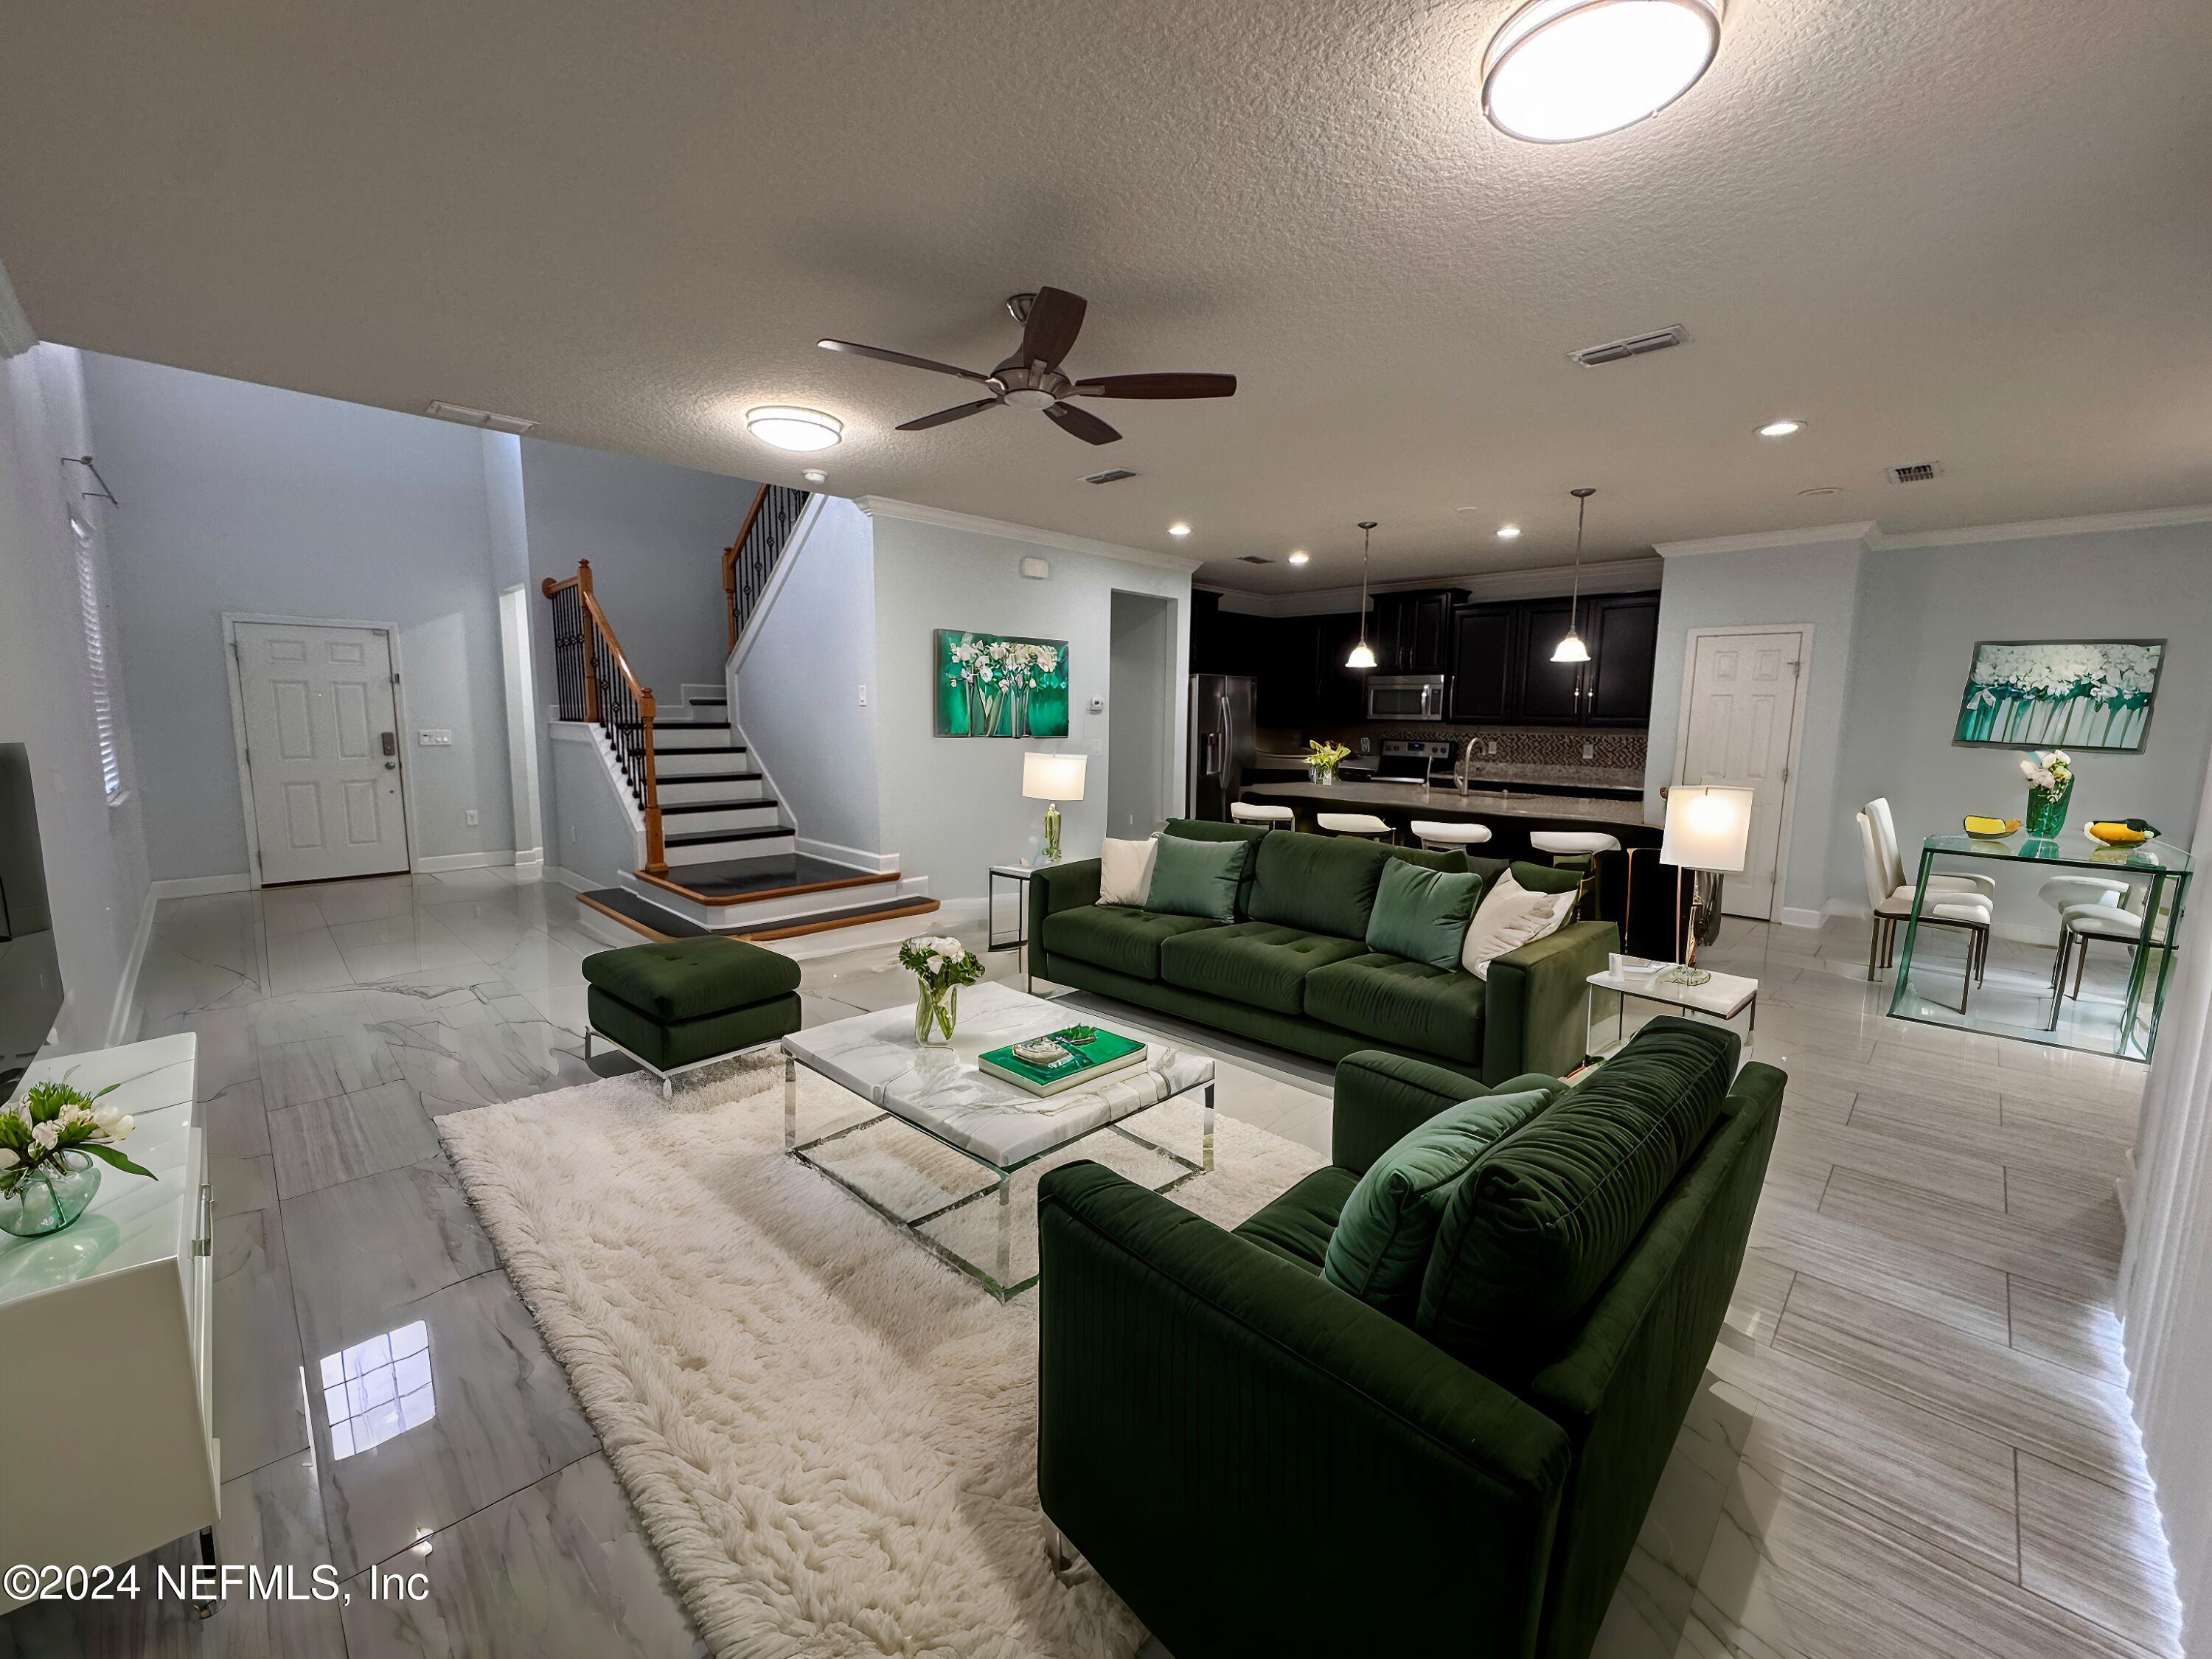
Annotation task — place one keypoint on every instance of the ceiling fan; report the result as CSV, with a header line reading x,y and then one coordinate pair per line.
x,y
1032,379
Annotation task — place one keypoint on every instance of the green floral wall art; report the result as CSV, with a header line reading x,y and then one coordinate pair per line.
x,y
2089,695
992,687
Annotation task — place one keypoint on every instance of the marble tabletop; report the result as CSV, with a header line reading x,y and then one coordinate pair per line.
x,y
1446,801
1724,995
944,1092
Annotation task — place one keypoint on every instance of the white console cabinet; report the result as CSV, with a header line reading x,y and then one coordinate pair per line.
x,y
104,1340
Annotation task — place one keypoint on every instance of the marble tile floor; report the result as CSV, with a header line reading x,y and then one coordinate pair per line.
x,y
1912,1439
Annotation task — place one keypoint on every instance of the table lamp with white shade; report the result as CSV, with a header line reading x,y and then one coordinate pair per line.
x,y
1708,833
1053,779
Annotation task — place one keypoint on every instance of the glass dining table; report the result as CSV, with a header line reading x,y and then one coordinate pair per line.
x,y
2025,1008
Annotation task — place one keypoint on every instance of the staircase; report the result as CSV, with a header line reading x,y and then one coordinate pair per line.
x,y
721,853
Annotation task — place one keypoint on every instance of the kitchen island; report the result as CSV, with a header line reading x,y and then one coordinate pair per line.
x,y
1510,814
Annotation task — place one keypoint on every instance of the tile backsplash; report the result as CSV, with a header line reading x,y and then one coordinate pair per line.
x,y
1619,754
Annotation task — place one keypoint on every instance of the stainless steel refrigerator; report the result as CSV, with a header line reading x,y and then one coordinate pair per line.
x,y
1222,710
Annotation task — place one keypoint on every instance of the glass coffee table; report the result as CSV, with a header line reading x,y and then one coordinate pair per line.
x,y
992,1124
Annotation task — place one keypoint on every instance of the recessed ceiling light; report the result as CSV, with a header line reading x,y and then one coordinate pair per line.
x,y
1507,532
1557,71
815,475
793,428
1178,530
1300,556
1781,427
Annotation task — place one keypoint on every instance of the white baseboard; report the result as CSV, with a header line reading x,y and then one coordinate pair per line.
x,y
1791,916
571,880
123,1017
194,886
532,862
876,864
431,866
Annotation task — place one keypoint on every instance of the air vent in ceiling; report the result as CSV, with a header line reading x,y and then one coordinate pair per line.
x,y
1635,345
1253,558
1112,475
1915,472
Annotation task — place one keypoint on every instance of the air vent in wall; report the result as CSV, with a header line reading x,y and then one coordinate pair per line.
x,y
1113,475
1253,558
1635,345
1915,472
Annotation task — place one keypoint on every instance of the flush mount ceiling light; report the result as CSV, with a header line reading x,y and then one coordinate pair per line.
x,y
1178,529
815,475
1300,556
1559,70
793,428
1363,654
1571,648
1785,426
1507,532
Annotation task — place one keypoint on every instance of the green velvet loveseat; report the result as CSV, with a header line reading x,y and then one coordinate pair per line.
x,y
1261,1463
1293,968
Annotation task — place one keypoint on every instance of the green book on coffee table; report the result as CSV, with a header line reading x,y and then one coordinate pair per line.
x,y
1086,1061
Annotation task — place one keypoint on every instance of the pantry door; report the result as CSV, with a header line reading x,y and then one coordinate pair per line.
x,y
1741,729
322,750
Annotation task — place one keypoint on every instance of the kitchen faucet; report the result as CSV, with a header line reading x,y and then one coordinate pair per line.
x,y
1465,767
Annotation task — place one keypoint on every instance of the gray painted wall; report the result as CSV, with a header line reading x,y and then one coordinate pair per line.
x,y
1816,584
593,839
1921,612
95,855
654,534
796,690
951,806
248,499
1140,683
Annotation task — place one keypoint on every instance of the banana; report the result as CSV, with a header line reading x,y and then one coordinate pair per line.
x,y
2121,832
1978,825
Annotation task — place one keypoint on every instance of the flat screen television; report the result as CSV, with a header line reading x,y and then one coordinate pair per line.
x,y
30,972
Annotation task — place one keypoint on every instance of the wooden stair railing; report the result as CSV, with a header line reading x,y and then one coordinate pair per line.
x,y
595,682
749,560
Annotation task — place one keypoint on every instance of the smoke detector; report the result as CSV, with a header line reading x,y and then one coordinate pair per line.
x,y
1112,475
1914,471
1635,345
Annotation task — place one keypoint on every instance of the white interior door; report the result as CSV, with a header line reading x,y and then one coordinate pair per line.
x,y
322,750
1743,702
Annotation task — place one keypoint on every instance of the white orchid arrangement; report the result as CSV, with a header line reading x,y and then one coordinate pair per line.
x,y
940,961
54,1118
2048,771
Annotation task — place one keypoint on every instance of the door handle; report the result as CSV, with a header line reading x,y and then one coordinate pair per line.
x,y
391,742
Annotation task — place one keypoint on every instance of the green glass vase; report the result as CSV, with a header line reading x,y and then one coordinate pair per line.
x,y
2046,811
49,1198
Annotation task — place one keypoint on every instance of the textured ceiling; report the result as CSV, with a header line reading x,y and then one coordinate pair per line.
x,y
1975,232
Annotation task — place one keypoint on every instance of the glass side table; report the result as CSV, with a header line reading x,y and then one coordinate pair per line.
x,y
1018,874
2160,872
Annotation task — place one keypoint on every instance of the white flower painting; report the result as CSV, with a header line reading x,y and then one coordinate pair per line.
x,y
2095,695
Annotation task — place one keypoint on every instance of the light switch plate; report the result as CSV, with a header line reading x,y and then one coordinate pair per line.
x,y
434,738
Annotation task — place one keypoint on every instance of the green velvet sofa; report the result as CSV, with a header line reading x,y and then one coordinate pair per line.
x,y
1261,1463
1293,969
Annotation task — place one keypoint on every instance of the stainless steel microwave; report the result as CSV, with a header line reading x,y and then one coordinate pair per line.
x,y
1405,696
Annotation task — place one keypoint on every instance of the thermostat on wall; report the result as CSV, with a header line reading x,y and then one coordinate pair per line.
x,y
1036,569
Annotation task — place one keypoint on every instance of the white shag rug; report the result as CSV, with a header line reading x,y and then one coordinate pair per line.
x,y
829,1435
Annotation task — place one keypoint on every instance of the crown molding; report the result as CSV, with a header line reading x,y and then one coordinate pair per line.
x,y
1536,582
16,334
1865,532
2035,529
883,507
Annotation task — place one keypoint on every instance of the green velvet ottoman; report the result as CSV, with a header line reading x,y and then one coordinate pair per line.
x,y
689,1002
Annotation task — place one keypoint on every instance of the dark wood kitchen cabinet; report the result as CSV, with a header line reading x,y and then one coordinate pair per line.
x,y
1412,632
1485,661
1551,693
1622,631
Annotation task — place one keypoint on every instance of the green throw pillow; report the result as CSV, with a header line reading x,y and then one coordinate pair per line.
x,y
1380,1249
1197,877
1547,877
1422,915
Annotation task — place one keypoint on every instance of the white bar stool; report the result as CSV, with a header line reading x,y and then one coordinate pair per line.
x,y
1440,837
1245,811
1572,843
1365,825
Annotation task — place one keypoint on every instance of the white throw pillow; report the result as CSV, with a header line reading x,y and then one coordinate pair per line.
x,y
1509,917
1125,871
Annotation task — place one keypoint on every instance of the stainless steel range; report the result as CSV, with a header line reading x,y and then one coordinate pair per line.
x,y
1412,760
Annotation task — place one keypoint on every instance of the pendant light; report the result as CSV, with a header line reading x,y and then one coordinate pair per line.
x,y
1571,648
1363,654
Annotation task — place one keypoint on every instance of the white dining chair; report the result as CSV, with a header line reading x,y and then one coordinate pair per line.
x,y
1891,903
1893,855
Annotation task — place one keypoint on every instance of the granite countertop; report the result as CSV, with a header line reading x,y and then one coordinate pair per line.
x,y
1447,801
1507,773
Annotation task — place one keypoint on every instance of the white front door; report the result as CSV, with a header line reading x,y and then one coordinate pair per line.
x,y
1743,700
322,750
